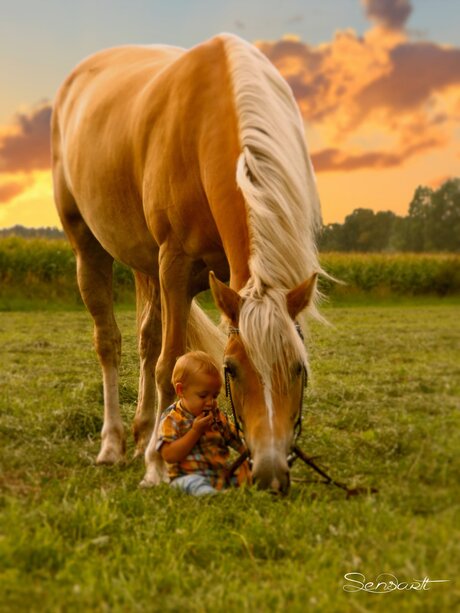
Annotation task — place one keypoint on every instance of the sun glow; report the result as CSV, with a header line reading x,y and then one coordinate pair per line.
x,y
34,206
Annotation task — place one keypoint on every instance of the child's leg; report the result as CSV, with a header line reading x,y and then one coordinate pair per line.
x,y
196,485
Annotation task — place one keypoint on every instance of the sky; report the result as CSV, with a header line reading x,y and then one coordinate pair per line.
x,y
377,83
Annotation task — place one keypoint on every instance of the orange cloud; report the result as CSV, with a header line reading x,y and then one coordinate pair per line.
x,y
418,70
25,146
335,159
10,190
370,103
378,89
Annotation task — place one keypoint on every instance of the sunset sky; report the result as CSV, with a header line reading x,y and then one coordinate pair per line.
x,y
377,82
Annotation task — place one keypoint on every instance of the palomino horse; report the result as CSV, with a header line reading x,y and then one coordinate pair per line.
x,y
179,163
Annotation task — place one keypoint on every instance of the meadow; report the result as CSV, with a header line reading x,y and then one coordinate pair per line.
x,y
382,411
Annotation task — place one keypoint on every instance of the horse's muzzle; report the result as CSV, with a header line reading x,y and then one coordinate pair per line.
x,y
271,473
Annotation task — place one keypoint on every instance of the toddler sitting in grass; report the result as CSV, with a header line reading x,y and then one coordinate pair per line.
x,y
194,435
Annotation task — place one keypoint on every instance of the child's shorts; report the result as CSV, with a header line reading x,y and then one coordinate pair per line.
x,y
196,485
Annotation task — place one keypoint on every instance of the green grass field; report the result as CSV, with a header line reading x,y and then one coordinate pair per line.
x,y
382,411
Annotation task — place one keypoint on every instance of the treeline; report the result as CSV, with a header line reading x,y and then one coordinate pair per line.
x,y
432,225
24,232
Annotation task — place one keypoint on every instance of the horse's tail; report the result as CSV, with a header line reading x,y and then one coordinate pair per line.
x,y
146,295
202,333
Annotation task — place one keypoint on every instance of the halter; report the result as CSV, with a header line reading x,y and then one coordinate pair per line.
x,y
228,391
239,430
296,452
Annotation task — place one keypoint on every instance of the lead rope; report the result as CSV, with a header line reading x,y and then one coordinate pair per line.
x,y
239,431
228,394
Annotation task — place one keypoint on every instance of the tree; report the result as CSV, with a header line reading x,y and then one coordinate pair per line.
x,y
330,238
433,223
417,220
365,230
443,219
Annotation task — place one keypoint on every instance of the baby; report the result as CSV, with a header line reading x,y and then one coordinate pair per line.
x,y
194,435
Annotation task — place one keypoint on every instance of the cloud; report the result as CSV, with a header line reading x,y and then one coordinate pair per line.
x,y
298,18
331,159
417,70
352,71
379,88
10,190
25,146
373,101
389,14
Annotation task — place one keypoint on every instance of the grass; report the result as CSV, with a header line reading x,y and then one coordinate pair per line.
x,y
382,411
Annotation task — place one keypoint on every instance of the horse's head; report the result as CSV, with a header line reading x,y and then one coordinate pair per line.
x,y
265,360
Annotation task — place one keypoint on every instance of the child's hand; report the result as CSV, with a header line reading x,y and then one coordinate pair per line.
x,y
202,422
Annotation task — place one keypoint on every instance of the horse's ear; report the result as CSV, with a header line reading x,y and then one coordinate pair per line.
x,y
299,297
227,300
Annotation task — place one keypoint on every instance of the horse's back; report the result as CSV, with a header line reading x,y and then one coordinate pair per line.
x,y
111,70
129,120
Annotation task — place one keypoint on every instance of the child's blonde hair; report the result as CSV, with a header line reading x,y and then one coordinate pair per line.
x,y
192,363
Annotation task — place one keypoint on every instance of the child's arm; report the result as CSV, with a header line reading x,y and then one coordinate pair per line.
x,y
179,449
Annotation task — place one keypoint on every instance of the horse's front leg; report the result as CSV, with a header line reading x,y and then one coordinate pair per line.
x,y
175,270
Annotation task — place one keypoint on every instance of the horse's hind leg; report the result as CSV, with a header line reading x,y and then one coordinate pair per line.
x,y
94,273
149,333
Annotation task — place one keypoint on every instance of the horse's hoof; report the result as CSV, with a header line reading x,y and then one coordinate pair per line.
x,y
146,484
153,478
109,456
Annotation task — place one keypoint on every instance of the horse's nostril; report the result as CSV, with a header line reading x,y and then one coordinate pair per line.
x,y
276,485
287,483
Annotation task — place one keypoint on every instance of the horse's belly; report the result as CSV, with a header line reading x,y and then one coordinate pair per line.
x,y
120,227
103,183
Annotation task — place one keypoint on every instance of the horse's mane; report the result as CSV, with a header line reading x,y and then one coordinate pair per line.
x,y
275,175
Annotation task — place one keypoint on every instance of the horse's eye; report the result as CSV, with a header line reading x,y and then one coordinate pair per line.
x,y
230,369
298,369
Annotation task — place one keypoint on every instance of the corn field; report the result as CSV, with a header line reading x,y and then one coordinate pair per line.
x,y
401,274
45,269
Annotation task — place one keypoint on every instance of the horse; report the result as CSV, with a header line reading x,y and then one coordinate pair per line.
x,y
191,168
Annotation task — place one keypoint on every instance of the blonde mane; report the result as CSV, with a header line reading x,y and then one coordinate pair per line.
x,y
275,175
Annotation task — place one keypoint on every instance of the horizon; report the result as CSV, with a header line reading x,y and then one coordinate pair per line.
x,y
377,83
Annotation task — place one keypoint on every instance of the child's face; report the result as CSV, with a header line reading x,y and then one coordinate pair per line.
x,y
199,394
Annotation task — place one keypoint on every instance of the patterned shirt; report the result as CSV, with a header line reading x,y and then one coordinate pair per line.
x,y
210,455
